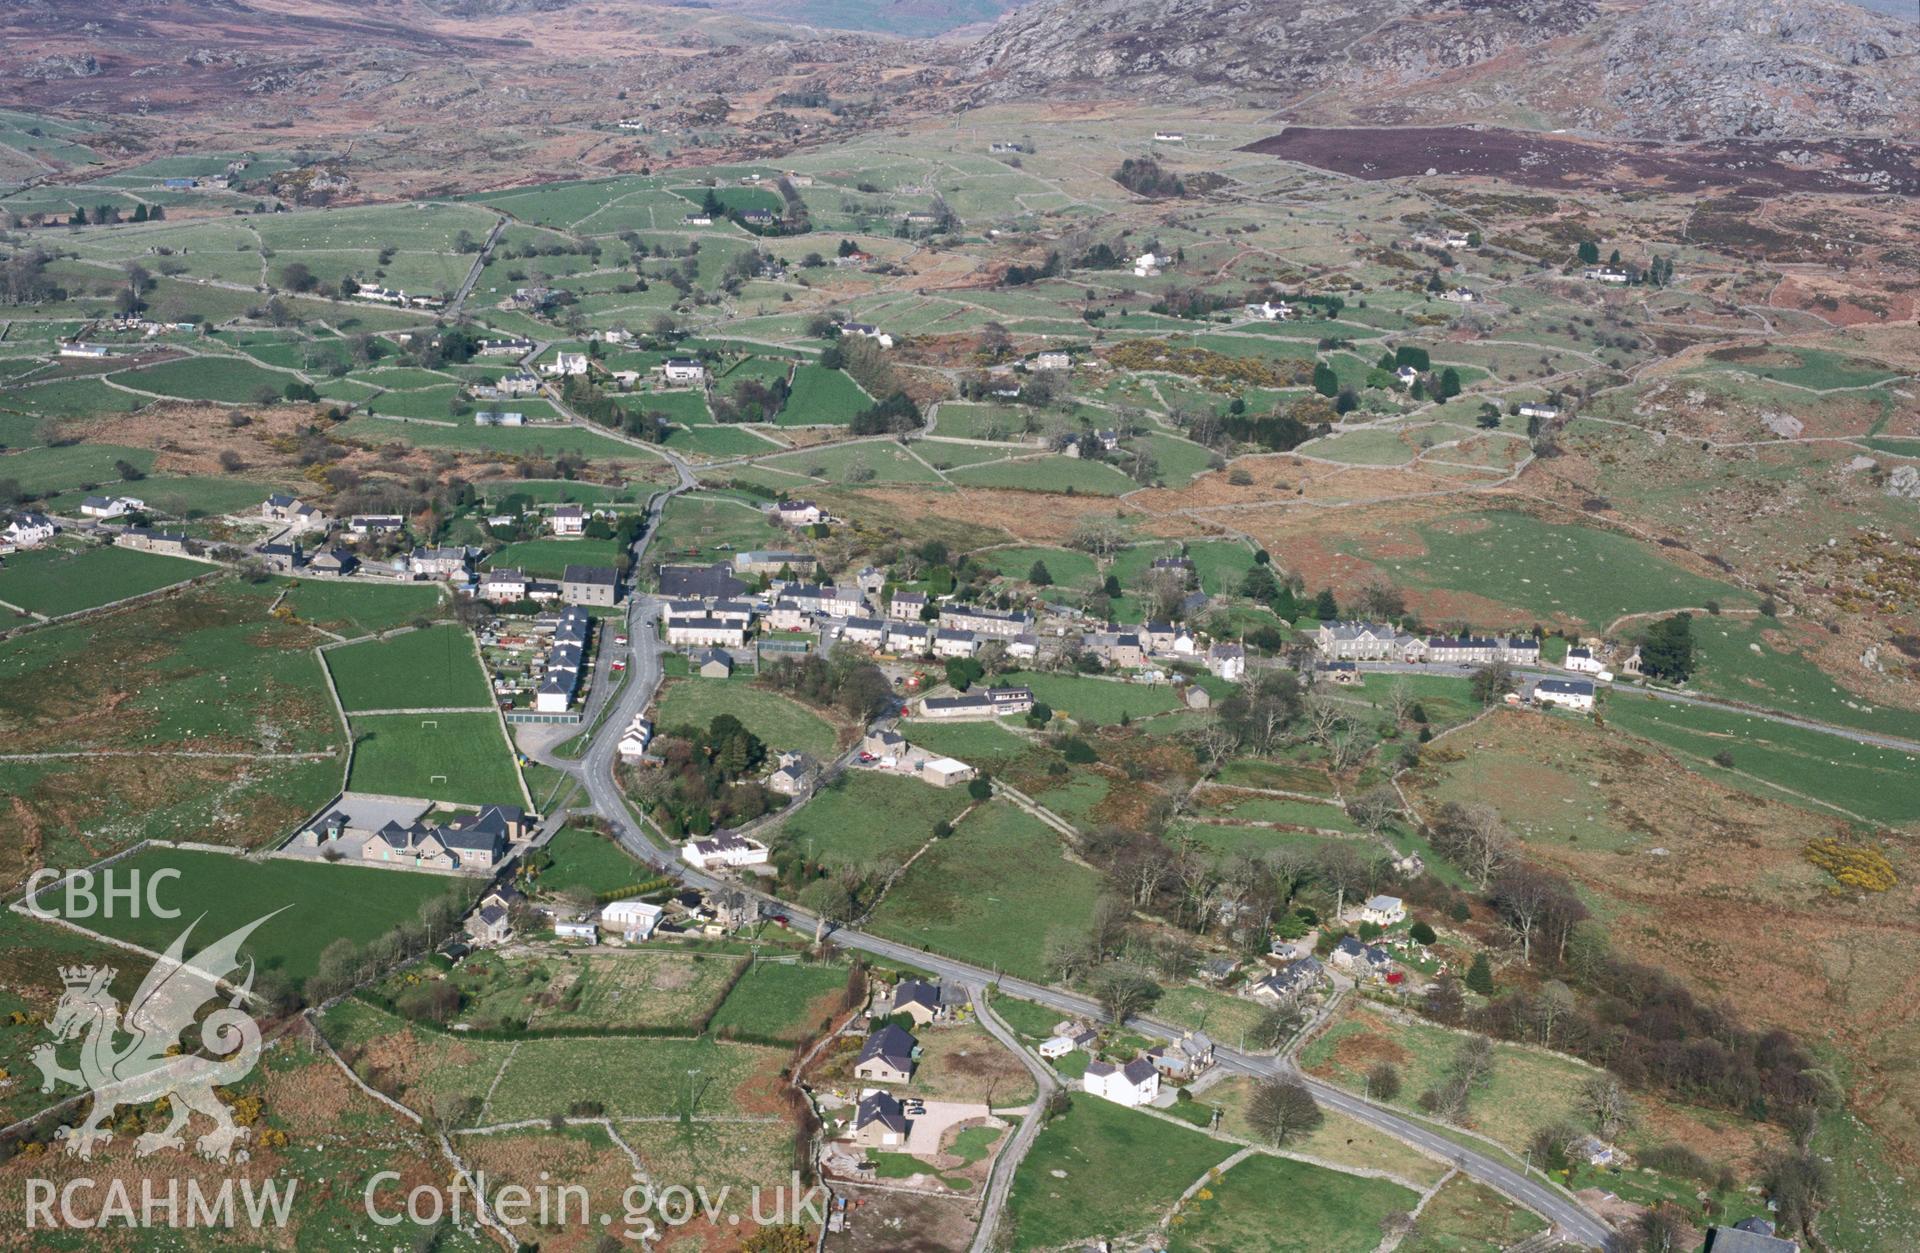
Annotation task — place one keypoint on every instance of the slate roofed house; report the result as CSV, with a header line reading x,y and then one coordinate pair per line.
x,y
879,1122
1383,910
333,560
489,924
567,520
683,371
797,513
1227,660
1752,1235
906,606
1184,1058
917,999
1289,982
504,586
590,585
474,845
440,563
1575,694
30,529
714,582
723,848
280,558
110,506
147,540
1582,661
714,663
793,774
1136,1083
888,1056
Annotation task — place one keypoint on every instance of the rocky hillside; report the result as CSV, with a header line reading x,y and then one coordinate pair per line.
x,y
1658,68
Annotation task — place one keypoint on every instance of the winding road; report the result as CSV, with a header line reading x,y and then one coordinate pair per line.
x,y
595,768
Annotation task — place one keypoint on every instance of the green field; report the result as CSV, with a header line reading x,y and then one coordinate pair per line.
x,y
1276,1205
1754,661
991,893
1552,571
461,757
704,527
1069,569
784,1001
867,819
48,471
584,859
549,558
780,723
354,609
822,397
1814,368
539,441
218,894
54,581
233,380
1094,700
1051,473
986,744
435,668
1876,783
1101,1170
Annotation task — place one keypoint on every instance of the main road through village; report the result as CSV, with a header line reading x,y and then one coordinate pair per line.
x,y
595,767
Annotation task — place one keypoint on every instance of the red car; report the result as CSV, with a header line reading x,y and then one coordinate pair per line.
x,y
619,665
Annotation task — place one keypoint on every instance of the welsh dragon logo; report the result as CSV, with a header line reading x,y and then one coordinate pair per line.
x,y
150,1065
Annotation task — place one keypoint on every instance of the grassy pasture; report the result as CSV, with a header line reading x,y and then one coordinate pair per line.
x,y
1087,699
1069,568
225,893
705,527
779,722
990,893
822,397
1101,1170
47,471
549,558
867,819
1277,1205
780,1000
230,380
352,609
1051,473
434,668
55,580
584,859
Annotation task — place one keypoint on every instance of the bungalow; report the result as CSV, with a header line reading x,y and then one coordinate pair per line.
x,y
74,348
945,771
1147,265
713,663
1749,1235
888,1056
635,920
758,217
147,540
1136,1083
364,524
30,530
576,929
682,371
110,506
1344,673
1575,694
589,585
496,417
505,347
1227,661
797,513
706,632
906,606
918,1000
1270,311
879,1122
1407,375
1606,274
503,586
977,705
697,219
723,848
567,521
1067,1037
1010,700
1540,409
1383,911
866,330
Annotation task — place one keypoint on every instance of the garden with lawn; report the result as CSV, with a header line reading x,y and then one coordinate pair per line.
x,y
780,722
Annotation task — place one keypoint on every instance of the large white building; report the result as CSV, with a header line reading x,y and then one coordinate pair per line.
x,y
1136,1083
1575,694
723,848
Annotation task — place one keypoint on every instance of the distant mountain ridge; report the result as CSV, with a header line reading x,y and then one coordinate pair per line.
x,y
1659,68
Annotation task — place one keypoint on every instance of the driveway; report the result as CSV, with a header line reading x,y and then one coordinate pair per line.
x,y
926,1130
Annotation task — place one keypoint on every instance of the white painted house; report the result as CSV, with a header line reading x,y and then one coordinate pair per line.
x,y
723,848
1575,694
1383,911
1136,1083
